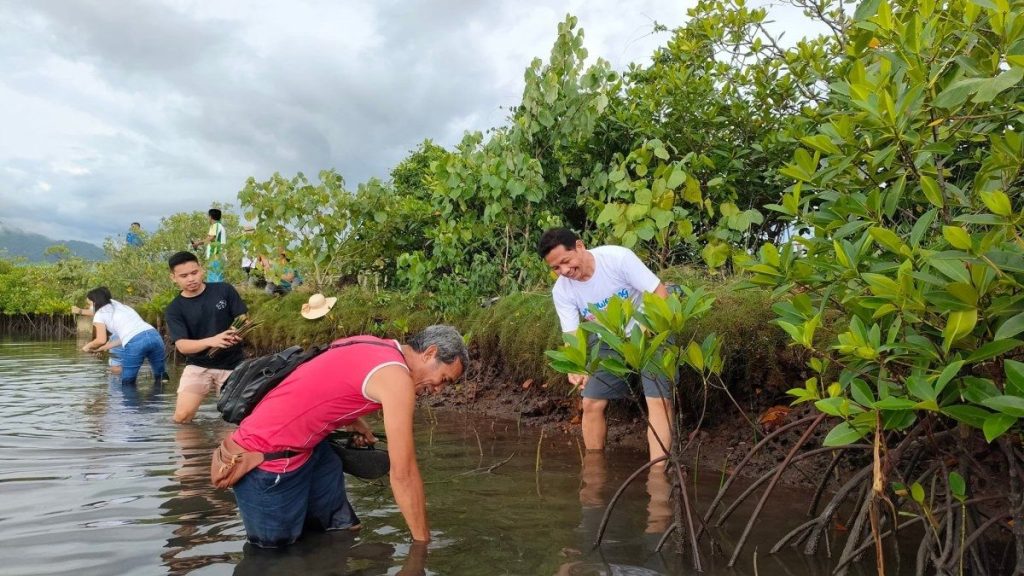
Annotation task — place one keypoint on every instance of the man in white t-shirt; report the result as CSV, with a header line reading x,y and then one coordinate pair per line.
x,y
589,279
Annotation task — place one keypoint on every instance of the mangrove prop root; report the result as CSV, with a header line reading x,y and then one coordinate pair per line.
x,y
825,477
922,552
1016,504
689,516
750,489
823,519
799,530
850,549
927,536
664,537
771,485
750,454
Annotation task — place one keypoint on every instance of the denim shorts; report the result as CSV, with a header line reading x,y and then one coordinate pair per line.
x,y
276,507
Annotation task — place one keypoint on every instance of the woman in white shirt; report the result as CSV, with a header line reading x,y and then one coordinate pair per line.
x,y
139,340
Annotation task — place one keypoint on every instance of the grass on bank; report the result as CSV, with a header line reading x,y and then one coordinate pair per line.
x,y
510,335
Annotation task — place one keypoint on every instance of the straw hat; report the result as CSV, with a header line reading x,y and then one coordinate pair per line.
x,y
317,306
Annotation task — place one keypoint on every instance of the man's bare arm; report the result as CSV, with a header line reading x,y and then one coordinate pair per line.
x,y
392,387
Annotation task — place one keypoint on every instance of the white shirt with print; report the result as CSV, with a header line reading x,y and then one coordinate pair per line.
x,y
617,272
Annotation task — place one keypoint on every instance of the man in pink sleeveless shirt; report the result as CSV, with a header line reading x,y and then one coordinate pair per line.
x,y
307,488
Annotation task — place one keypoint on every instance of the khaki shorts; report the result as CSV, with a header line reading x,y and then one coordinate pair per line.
x,y
198,380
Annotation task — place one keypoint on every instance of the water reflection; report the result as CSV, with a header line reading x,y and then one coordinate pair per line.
x,y
96,480
331,553
595,493
206,525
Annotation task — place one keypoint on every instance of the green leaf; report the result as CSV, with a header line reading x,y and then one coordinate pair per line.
x,y
996,424
957,485
993,349
887,239
844,434
1014,377
830,406
866,9
953,269
692,192
715,254
695,356
968,414
917,492
998,202
862,392
978,390
947,374
957,92
957,237
919,387
821,143
677,177
959,323
894,403
1007,404
931,191
921,227
1011,327
989,88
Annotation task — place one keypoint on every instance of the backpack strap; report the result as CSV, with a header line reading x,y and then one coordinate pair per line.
x,y
343,344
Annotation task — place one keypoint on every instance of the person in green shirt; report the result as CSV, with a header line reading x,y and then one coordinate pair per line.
x,y
216,239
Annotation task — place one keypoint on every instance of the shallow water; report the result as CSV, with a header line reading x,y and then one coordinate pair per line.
x,y
96,479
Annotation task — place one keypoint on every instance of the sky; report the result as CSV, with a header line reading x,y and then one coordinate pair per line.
x,y
132,111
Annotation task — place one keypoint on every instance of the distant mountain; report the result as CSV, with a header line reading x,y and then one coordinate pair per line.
x,y
17,243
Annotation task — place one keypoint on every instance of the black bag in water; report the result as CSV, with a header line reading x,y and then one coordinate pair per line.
x,y
253,378
367,462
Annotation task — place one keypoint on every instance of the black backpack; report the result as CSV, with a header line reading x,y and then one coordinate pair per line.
x,y
250,381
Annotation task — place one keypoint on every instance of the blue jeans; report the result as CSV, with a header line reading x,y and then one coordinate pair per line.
x,y
276,507
147,345
115,356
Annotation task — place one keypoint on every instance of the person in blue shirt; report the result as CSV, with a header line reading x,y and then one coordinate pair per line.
x,y
134,236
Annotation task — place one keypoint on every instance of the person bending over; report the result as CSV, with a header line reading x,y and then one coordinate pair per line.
x,y
300,481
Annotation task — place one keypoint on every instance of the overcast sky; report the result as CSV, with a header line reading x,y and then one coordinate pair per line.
x,y
112,112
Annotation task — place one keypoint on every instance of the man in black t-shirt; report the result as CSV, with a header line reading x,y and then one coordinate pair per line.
x,y
199,322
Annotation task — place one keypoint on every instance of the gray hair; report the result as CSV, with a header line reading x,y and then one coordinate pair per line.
x,y
450,345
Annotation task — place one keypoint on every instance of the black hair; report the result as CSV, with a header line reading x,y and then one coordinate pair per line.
x,y
100,297
214,213
181,258
136,224
555,237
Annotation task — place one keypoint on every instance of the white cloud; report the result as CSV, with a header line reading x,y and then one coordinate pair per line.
x,y
133,113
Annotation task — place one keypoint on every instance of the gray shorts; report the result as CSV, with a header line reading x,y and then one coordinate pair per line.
x,y
604,385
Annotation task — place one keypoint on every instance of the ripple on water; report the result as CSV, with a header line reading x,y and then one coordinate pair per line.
x,y
96,480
